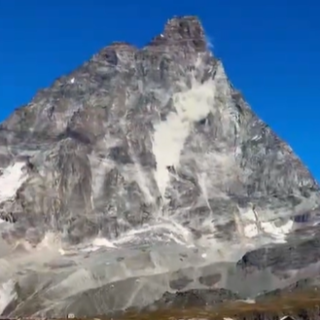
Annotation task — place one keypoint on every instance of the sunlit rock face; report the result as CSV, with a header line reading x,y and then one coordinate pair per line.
x,y
143,149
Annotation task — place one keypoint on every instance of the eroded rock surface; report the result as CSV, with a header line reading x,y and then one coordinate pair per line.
x,y
155,152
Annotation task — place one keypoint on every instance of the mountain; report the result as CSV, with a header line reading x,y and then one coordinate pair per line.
x,y
143,169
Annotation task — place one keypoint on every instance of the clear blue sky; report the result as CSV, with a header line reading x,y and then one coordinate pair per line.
x,y
271,51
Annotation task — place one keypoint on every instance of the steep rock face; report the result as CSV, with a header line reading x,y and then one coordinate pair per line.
x,y
141,146
133,131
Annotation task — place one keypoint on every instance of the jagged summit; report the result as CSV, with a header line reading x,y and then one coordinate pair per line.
x,y
183,37
185,32
155,149
184,28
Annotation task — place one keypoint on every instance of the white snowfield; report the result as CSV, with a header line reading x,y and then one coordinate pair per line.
x,y
11,180
252,228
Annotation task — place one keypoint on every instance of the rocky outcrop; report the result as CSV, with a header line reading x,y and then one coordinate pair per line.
x,y
148,146
108,133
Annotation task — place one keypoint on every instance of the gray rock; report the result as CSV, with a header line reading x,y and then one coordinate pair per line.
x,y
156,140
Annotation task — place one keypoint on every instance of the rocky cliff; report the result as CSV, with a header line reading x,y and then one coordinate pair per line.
x,y
148,161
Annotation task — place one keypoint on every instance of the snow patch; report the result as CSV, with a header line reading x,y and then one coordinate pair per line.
x,y
170,135
253,227
11,180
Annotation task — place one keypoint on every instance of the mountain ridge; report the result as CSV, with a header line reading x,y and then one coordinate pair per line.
x,y
153,148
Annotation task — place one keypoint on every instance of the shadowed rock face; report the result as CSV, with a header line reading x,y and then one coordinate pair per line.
x,y
147,146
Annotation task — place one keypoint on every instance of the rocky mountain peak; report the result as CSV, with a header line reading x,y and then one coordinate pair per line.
x,y
184,32
150,148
